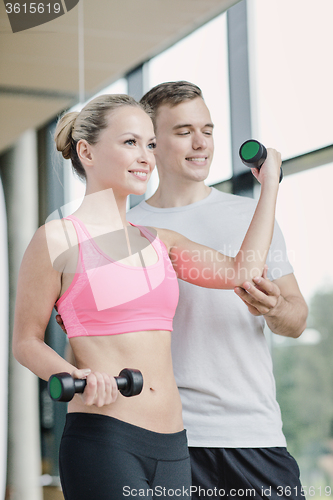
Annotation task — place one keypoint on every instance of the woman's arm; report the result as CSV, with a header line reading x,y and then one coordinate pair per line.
x,y
38,289
39,286
209,268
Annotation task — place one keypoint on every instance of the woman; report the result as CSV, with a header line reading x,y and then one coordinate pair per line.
x,y
115,286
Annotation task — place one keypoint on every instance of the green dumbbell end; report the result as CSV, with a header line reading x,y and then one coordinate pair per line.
x,y
249,150
55,388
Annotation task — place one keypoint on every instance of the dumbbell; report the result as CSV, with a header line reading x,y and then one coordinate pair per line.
x,y
253,154
62,386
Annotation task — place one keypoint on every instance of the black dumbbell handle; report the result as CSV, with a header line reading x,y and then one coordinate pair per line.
x,y
80,384
257,158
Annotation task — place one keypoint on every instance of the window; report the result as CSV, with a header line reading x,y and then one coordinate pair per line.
x,y
201,58
291,73
303,367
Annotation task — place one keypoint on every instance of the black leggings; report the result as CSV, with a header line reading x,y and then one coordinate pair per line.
x,y
102,458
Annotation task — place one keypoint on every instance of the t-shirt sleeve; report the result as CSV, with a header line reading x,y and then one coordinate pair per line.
x,y
277,259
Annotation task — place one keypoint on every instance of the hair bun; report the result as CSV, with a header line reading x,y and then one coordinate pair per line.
x,y
63,133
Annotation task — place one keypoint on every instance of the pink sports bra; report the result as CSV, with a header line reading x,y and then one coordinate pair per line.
x,y
109,298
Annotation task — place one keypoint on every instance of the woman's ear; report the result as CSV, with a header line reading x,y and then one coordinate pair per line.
x,y
84,152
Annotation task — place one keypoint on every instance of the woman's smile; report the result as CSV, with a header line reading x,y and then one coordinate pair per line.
x,y
140,174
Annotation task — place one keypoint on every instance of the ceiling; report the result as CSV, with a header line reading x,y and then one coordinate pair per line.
x,y
39,69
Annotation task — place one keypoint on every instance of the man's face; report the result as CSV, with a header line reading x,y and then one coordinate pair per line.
x,y
184,138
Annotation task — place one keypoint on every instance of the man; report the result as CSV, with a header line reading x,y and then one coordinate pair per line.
x,y
221,360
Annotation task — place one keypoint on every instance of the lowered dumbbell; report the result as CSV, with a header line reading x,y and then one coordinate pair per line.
x,y
253,154
62,386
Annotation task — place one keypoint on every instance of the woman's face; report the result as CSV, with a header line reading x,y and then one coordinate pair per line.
x,y
123,158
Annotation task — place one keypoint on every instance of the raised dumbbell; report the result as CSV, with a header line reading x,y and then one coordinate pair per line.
x,y
62,386
253,154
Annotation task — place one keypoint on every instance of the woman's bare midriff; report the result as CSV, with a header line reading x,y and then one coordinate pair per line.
x,y
158,407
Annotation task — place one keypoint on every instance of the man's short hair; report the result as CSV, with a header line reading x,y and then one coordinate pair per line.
x,y
169,93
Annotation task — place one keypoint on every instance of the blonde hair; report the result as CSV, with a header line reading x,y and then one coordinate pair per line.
x,y
87,125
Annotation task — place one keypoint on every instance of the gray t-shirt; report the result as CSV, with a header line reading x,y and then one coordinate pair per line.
x,y
222,363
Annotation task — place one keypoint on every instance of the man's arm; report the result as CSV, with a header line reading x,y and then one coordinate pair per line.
x,y
279,301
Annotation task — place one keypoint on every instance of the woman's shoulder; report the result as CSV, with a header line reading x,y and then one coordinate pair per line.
x,y
58,238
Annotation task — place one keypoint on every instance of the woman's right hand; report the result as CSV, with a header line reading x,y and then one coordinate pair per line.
x,y
270,169
101,389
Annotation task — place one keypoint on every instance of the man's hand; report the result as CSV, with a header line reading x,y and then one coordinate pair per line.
x,y
260,298
60,323
280,302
